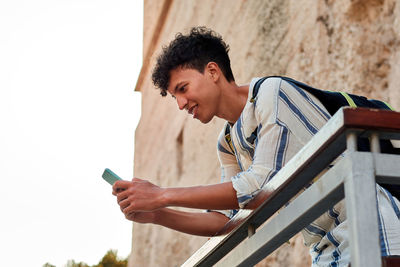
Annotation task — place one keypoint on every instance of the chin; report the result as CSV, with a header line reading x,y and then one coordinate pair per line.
x,y
205,120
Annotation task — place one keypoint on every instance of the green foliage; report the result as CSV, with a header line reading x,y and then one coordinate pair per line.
x,y
110,259
72,263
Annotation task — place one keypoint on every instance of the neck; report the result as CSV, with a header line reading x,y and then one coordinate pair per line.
x,y
233,100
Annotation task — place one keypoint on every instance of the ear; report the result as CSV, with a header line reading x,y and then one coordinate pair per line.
x,y
213,71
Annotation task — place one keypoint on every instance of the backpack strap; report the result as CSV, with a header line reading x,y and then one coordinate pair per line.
x,y
348,99
228,138
389,106
257,87
382,104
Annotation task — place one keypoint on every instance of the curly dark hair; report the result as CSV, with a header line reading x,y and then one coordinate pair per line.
x,y
195,51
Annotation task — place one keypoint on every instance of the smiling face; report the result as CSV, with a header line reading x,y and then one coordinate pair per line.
x,y
195,92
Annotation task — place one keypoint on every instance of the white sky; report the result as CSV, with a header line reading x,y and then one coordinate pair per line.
x,y
68,110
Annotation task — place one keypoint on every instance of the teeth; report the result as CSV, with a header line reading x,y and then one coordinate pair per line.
x,y
190,111
194,110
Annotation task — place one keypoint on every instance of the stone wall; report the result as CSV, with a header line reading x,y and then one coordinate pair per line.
x,y
350,45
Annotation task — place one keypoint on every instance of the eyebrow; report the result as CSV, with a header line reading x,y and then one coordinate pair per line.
x,y
177,86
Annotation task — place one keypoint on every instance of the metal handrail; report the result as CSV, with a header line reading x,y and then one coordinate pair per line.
x,y
328,144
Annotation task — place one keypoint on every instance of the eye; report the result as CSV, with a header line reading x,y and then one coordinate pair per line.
x,y
182,89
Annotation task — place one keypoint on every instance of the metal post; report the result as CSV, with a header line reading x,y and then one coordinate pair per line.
x,y
375,145
362,215
351,140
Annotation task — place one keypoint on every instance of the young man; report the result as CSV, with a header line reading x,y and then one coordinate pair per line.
x,y
195,69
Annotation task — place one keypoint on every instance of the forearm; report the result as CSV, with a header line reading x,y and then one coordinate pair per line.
x,y
218,196
142,196
200,223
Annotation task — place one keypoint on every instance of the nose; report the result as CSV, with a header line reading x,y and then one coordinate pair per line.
x,y
182,102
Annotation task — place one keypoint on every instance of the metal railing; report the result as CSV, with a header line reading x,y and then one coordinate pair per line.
x,y
244,243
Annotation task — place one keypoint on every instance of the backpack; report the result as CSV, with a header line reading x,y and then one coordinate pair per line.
x,y
333,101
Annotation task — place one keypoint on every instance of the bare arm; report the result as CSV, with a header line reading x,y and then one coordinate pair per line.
x,y
217,196
141,195
194,223
199,223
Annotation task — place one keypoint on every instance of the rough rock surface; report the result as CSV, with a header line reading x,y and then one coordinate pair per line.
x,y
350,45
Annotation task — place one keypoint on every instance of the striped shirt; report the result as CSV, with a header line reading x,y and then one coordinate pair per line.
x,y
269,132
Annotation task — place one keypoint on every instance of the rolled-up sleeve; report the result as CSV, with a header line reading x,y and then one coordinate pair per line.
x,y
229,166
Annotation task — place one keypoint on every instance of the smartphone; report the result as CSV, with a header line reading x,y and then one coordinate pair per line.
x,y
110,176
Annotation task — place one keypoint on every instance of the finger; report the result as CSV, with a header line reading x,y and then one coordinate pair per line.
x,y
118,185
129,209
121,185
118,190
124,203
122,195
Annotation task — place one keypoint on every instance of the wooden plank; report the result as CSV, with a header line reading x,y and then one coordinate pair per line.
x,y
371,119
